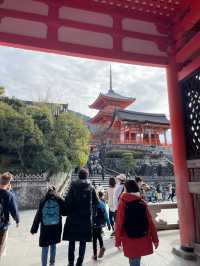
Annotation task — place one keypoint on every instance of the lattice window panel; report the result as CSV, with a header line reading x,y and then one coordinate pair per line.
x,y
191,108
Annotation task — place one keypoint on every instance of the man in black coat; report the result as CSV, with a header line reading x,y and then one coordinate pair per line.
x,y
80,201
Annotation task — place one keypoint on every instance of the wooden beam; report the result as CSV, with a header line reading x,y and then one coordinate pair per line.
x,y
183,26
89,5
189,49
56,22
53,46
189,68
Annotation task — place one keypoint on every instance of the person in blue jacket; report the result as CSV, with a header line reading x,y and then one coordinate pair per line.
x,y
100,220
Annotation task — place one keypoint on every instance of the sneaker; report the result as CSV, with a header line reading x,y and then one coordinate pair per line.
x,y
101,252
94,257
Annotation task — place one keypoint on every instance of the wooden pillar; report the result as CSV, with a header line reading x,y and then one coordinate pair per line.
x,y
165,137
149,136
140,137
129,137
184,198
122,134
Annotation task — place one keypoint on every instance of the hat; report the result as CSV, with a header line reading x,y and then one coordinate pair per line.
x,y
121,177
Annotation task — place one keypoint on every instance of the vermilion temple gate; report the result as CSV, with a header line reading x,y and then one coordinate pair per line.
x,y
162,33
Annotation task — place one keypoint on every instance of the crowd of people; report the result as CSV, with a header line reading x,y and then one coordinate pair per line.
x,y
120,208
157,192
95,167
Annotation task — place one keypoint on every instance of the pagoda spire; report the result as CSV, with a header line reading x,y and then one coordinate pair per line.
x,y
111,88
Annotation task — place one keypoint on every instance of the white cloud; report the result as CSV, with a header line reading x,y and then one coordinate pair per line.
x,y
77,81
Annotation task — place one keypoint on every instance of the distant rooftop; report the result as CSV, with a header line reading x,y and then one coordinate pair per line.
x,y
142,117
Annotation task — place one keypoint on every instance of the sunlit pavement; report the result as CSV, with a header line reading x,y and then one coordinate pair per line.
x,y
23,250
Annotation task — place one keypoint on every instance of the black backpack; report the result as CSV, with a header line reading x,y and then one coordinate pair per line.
x,y
136,222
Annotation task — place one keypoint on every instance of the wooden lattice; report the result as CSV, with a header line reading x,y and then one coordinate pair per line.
x,y
191,108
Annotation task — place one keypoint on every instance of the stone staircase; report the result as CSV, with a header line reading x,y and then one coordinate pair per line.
x,y
98,180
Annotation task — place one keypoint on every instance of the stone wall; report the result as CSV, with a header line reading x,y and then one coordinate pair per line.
x,y
29,189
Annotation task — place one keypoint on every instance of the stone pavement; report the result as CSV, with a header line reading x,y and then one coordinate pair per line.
x,y
23,250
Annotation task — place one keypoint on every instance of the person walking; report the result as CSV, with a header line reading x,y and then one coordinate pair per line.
x,y
135,230
159,192
8,206
49,217
110,194
173,193
102,172
100,220
169,191
119,189
81,201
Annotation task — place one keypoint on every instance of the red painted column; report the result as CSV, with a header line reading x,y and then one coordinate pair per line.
x,y
184,198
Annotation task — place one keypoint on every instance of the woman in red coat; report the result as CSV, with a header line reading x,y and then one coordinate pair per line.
x,y
134,247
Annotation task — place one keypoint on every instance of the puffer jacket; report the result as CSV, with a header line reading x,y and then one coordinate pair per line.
x,y
134,247
80,202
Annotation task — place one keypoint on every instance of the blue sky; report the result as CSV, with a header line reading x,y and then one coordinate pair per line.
x,y
77,81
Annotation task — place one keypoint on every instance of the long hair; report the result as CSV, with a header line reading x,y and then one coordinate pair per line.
x,y
112,182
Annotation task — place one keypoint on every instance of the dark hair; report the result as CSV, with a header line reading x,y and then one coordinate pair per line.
x,y
138,179
51,192
83,173
112,182
131,186
100,194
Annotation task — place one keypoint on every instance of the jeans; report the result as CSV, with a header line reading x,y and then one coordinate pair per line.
x,y
97,236
3,235
71,250
112,219
45,251
135,261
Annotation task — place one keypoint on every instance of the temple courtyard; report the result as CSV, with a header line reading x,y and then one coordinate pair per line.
x,y
23,250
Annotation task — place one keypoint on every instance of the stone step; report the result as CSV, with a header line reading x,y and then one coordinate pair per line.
x,y
98,180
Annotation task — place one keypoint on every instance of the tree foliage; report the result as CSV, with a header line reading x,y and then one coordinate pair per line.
x,y
2,91
33,140
128,162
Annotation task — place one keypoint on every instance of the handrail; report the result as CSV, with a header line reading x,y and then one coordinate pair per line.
x,y
112,171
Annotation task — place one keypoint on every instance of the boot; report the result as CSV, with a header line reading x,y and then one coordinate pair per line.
x,y
101,252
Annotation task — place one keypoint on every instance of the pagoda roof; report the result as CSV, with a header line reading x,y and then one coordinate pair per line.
x,y
100,102
133,116
99,116
111,93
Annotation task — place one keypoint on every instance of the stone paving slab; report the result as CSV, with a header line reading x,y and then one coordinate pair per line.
x,y
23,250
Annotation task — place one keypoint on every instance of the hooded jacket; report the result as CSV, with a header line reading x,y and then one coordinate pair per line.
x,y
134,247
81,201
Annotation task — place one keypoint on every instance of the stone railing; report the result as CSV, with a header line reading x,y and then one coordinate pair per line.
x,y
29,189
22,177
162,221
157,149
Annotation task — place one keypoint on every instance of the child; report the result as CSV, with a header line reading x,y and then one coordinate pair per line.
x,y
135,230
49,218
100,220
